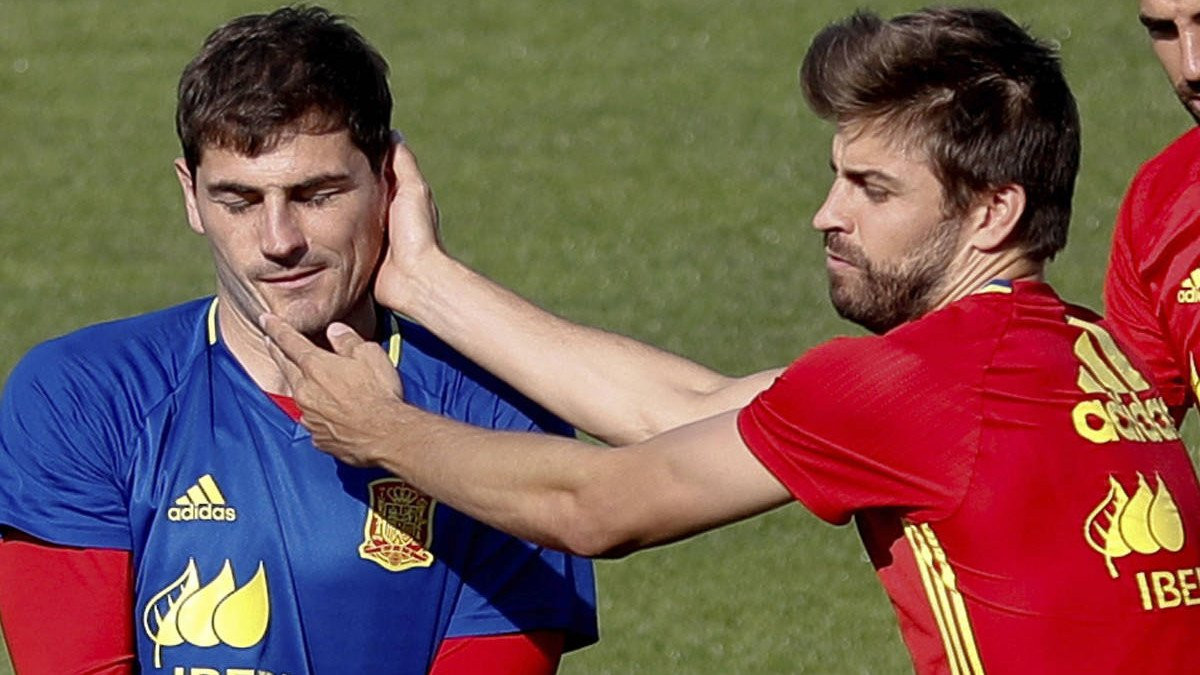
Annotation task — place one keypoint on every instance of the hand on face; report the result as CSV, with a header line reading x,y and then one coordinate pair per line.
x,y
343,394
413,237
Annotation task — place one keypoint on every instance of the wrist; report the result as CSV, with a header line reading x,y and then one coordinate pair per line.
x,y
429,287
392,437
406,287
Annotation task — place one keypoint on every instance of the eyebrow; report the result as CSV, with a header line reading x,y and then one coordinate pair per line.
x,y
873,174
322,180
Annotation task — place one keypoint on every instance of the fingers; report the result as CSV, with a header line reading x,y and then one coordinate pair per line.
x,y
286,347
404,163
289,369
291,343
342,338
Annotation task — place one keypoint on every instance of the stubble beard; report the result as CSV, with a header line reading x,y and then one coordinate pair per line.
x,y
883,296
1187,96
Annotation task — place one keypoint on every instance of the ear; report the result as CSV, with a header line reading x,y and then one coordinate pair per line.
x,y
994,218
189,195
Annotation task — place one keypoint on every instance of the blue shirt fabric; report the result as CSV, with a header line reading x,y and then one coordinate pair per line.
x,y
251,549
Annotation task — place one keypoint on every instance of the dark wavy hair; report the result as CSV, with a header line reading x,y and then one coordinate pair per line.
x,y
297,69
986,101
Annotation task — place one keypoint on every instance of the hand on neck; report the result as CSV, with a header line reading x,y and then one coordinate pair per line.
x,y
247,342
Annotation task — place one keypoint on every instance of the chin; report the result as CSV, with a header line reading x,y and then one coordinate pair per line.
x,y
308,321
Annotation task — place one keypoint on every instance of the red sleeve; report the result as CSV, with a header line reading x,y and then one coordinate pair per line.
x,y
858,423
535,653
64,609
1130,309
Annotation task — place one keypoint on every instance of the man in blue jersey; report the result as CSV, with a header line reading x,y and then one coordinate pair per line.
x,y
161,509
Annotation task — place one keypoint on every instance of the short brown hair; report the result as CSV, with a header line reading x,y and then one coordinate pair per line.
x,y
986,101
262,76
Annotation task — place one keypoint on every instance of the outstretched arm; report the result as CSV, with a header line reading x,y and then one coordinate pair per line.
x,y
613,387
554,491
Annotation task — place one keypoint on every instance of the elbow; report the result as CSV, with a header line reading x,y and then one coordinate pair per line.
x,y
645,423
646,428
682,407
592,543
593,528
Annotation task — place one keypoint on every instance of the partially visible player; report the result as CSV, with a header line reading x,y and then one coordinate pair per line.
x,y
1152,291
1017,482
162,511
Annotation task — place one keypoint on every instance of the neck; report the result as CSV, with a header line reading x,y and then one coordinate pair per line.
x,y
247,342
974,269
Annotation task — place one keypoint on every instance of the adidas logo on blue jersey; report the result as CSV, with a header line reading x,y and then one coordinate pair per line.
x,y
202,501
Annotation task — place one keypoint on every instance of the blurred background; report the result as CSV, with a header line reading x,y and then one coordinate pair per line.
x,y
649,167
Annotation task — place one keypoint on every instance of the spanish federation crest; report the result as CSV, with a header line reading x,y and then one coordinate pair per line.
x,y
399,526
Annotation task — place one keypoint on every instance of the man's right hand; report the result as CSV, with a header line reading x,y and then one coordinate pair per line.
x,y
414,247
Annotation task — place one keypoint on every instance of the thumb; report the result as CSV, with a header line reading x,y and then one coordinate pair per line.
x,y
342,338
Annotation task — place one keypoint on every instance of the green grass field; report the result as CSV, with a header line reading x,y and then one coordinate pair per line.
x,y
645,166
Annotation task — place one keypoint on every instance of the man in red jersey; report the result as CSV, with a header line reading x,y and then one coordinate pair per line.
x,y
1017,482
1152,292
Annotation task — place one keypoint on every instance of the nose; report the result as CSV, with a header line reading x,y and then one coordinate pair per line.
x,y
281,239
1189,56
830,216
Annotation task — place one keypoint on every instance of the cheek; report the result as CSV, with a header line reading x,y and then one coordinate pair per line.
x,y
230,247
370,247
364,243
1168,56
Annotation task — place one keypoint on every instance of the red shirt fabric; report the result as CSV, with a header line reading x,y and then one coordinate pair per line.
x,y
1152,291
1019,487
66,609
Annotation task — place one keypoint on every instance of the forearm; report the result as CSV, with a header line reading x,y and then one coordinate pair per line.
x,y
613,387
559,492
533,486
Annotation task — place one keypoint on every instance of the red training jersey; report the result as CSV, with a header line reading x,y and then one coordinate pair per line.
x,y
1018,485
1152,291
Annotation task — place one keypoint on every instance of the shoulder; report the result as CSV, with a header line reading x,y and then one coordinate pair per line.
x,y
945,350
439,378
1180,153
948,338
1160,180
138,357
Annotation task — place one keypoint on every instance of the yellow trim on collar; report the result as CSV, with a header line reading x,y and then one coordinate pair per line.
x,y
212,322
394,341
996,286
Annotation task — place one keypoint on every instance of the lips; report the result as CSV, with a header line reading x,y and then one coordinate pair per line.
x,y
291,278
840,252
833,257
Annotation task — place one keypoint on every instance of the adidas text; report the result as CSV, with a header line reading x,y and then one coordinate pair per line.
x,y
201,512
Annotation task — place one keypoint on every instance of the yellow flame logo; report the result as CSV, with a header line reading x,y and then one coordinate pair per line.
x,y
205,616
1146,523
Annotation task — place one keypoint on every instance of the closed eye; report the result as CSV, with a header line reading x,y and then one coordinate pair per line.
x,y
235,207
319,198
1159,29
